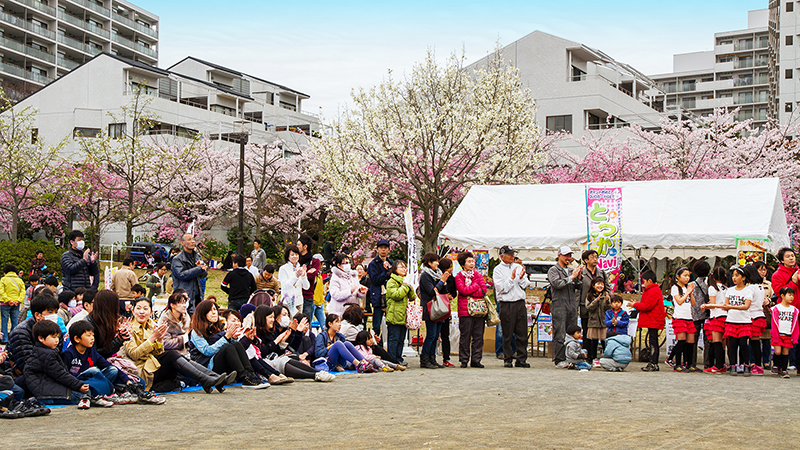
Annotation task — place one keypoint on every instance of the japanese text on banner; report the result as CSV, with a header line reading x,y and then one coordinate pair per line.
x,y
604,227
412,277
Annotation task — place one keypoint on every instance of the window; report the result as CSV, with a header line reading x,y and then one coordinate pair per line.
x,y
79,132
116,130
788,74
725,58
707,80
34,135
789,39
559,123
787,107
789,6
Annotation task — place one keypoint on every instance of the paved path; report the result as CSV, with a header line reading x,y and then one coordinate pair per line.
x,y
448,408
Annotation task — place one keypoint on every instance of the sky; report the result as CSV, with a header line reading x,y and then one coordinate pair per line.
x,y
326,49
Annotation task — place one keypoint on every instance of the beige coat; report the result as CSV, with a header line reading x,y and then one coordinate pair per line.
x,y
122,282
143,352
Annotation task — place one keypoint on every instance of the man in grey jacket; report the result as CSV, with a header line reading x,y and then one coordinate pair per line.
x,y
188,269
565,288
259,256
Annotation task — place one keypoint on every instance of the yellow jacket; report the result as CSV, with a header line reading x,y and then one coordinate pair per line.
x,y
12,289
143,352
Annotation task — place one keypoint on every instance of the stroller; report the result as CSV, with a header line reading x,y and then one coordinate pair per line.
x,y
262,297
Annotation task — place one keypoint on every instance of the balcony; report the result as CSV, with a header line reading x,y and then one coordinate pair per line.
x,y
39,6
743,64
136,26
20,72
78,45
93,6
14,20
748,81
740,46
723,66
134,45
27,49
723,49
84,24
714,85
66,63
743,100
711,103
762,79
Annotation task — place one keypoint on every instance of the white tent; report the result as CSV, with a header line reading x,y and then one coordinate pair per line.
x,y
671,218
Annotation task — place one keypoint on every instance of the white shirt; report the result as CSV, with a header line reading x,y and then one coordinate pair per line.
x,y
506,289
785,319
757,306
77,317
719,299
253,269
738,298
291,286
684,310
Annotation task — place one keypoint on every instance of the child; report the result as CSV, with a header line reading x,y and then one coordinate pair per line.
x,y
46,375
33,280
21,341
597,302
64,299
757,316
76,305
784,329
616,318
576,357
364,342
683,297
246,337
87,365
738,323
651,316
715,326
616,351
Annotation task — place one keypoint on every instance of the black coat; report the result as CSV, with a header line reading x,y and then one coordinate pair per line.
x,y
76,271
239,284
46,375
20,344
427,289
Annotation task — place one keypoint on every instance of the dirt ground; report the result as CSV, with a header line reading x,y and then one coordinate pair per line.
x,y
495,407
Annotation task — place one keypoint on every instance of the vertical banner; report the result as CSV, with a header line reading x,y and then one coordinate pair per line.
x,y
604,228
412,277
481,261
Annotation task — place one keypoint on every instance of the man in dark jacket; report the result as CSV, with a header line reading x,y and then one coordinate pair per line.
x,y
46,374
78,264
239,284
21,340
378,272
187,271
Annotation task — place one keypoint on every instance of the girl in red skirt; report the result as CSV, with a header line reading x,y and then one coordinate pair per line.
x,y
715,326
738,325
784,329
757,316
683,298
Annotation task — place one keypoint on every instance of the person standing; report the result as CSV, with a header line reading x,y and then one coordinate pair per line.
x,y
787,275
122,282
564,285
157,283
510,282
38,263
259,256
239,284
378,272
432,281
313,267
590,272
188,269
328,252
78,265
12,294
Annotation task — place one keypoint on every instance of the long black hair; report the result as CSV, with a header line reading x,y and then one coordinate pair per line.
x,y
675,279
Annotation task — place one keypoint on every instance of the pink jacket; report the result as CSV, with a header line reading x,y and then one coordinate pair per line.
x,y
795,328
366,352
340,288
476,289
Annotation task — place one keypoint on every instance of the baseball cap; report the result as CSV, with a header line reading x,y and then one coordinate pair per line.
x,y
506,250
382,242
564,250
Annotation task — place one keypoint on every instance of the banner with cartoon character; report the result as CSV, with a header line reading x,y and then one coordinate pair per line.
x,y
604,229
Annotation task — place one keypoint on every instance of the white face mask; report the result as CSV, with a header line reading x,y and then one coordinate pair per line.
x,y
284,322
52,318
73,303
80,245
346,267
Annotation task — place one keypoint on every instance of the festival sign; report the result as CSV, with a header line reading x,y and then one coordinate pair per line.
x,y
749,251
412,277
544,328
481,260
604,228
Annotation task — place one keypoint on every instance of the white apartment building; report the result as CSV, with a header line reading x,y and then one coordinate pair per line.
x,y
784,30
41,40
577,88
193,98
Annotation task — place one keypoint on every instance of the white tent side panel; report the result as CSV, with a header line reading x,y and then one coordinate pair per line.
x,y
670,214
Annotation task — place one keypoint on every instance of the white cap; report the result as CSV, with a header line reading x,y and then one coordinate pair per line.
x,y
564,250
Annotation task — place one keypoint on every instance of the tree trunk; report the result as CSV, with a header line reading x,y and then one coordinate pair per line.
x,y
14,223
128,237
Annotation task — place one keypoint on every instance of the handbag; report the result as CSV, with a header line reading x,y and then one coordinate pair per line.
x,y
413,315
492,318
439,307
383,297
476,307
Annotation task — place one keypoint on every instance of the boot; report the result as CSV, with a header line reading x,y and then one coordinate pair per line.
x,y
425,362
432,360
199,373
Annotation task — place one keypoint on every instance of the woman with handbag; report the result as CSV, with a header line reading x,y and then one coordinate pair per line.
x,y
471,291
431,283
398,294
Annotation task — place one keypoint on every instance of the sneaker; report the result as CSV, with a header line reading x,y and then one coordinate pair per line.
x,y
6,413
401,367
508,364
38,408
113,398
714,370
447,364
732,371
572,367
791,368
149,398
670,362
694,369
363,366
596,363
562,365
324,377
650,367
253,381
84,403
775,369
476,365
618,369
101,401
386,369
756,370
784,374
681,369
747,371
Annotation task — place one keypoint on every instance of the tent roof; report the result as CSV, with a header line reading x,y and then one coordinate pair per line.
x,y
668,214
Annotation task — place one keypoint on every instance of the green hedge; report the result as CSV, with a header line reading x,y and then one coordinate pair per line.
x,y
21,253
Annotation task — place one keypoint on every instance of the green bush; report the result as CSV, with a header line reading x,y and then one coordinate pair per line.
x,y
21,253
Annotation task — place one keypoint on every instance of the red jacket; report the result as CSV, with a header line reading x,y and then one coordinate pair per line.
x,y
783,277
476,289
651,308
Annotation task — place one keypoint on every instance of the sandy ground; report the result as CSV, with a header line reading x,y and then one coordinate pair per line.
x,y
495,407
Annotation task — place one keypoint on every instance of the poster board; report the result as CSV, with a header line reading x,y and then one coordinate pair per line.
x,y
481,260
749,251
544,328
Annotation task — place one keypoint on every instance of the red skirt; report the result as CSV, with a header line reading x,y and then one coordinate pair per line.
x,y
781,341
716,324
683,326
737,330
759,324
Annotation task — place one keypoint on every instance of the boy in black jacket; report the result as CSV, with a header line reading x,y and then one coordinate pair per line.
x,y
239,284
44,307
46,375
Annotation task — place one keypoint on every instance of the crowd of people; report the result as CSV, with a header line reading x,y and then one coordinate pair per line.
x,y
71,343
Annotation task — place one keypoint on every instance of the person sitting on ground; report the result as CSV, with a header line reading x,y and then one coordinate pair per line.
x,y
160,367
616,352
269,344
76,306
21,341
266,280
64,299
338,353
227,263
46,374
247,337
33,280
576,357
616,317
215,347
52,284
157,283
87,303
110,333
178,322
352,322
344,286
364,344
239,284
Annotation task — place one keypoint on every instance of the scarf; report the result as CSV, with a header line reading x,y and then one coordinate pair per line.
x,y
435,274
468,274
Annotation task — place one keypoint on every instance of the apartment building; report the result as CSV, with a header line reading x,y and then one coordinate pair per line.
x,y
192,98
41,40
784,31
578,88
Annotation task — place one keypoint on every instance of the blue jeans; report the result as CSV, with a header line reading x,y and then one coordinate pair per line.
x,y
377,317
342,354
395,340
101,382
5,311
432,330
580,365
308,307
319,314
73,399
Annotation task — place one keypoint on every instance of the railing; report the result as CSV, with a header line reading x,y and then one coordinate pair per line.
x,y
762,44
688,87
742,63
39,6
762,79
26,25
748,81
83,24
94,7
69,64
27,49
78,45
288,106
190,102
135,25
19,71
743,100
223,110
738,46
761,62
689,104
133,45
